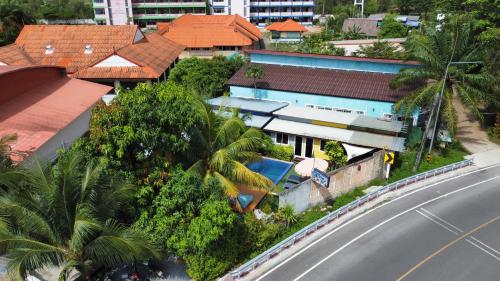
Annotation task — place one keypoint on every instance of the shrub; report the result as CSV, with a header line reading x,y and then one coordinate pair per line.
x,y
282,152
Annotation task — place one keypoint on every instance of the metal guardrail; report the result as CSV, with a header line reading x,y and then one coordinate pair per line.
x,y
330,217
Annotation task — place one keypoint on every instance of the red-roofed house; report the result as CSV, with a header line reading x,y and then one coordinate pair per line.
x,y
45,108
287,31
105,54
210,35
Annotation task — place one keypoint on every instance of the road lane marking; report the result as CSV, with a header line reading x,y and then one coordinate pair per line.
x,y
440,219
483,249
374,209
487,246
460,231
438,223
442,249
389,220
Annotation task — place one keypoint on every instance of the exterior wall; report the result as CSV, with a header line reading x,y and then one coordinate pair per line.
x,y
318,153
144,12
371,108
65,137
331,63
308,194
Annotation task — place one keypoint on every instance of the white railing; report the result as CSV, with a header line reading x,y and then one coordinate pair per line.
x,y
330,217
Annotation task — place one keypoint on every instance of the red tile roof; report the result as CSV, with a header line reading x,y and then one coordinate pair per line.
x,y
318,81
287,26
207,31
38,112
14,55
153,54
295,54
69,43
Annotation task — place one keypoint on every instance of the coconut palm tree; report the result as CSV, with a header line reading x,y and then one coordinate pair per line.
x,y
9,175
225,145
254,72
435,49
65,217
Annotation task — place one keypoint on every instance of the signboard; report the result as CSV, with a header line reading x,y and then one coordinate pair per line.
x,y
389,157
320,178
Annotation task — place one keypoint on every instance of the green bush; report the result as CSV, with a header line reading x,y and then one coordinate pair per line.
x,y
282,152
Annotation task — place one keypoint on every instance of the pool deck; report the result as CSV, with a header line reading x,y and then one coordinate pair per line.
x,y
258,195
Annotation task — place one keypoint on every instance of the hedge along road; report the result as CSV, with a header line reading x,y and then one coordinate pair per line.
x,y
446,231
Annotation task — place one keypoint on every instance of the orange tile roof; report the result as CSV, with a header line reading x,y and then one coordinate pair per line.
x,y
69,43
207,31
48,106
13,55
153,55
287,26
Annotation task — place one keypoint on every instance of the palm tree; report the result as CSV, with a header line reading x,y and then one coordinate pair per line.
x,y
65,217
9,175
225,145
13,17
254,72
435,50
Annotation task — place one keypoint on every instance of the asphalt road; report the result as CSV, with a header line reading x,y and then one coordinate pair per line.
x,y
448,231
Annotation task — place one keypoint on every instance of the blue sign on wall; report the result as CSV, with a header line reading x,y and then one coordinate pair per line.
x,y
320,178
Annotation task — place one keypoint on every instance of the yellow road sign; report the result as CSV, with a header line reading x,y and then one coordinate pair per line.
x,y
389,157
429,157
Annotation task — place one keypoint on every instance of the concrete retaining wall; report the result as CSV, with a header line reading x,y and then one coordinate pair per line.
x,y
345,179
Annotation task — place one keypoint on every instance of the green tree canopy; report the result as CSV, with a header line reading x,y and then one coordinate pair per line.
x,y
392,28
223,147
471,83
13,16
66,216
144,127
207,77
336,154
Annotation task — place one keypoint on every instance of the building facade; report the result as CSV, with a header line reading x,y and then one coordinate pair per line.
x,y
262,12
145,13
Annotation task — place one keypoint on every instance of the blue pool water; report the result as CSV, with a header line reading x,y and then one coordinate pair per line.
x,y
274,170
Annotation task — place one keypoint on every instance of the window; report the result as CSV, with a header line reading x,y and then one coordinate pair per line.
x,y
360,112
387,115
322,145
309,105
281,138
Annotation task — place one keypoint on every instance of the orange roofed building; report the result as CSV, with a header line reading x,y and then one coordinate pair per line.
x,y
211,35
287,31
45,108
106,54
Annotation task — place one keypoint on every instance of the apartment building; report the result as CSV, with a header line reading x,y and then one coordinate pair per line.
x,y
145,13
262,12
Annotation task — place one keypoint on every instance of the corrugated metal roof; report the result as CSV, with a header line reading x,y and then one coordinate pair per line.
x,y
251,120
342,135
319,81
349,119
246,104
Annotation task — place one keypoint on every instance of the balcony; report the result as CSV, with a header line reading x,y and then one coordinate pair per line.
x,y
199,4
282,4
160,16
282,14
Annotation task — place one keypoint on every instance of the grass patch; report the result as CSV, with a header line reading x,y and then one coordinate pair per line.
x,y
440,157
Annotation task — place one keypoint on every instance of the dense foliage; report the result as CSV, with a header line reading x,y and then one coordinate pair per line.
x,y
336,154
381,49
470,84
14,14
66,216
392,28
207,77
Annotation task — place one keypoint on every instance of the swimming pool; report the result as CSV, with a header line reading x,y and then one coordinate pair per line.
x,y
273,169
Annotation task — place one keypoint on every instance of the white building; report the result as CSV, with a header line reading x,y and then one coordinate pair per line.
x,y
262,12
144,12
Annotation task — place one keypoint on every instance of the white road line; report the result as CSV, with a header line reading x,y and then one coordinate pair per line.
x,y
482,243
386,221
441,219
438,223
482,249
368,212
458,233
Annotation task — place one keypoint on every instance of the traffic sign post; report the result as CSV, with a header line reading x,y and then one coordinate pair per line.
x,y
389,157
429,157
